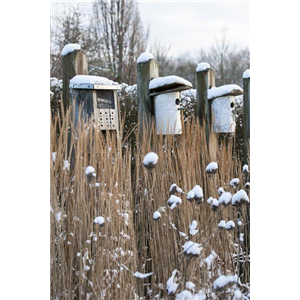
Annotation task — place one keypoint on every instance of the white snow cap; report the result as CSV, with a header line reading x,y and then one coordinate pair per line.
x,y
209,260
191,195
250,73
190,286
161,81
173,201
144,57
225,198
141,275
53,156
198,192
229,225
99,220
69,48
171,284
193,229
239,197
202,67
90,171
184,295
79,80
246,168
222,224
66,165
222,281
150,159
210,200
192,248
224,90
156,215
241,238
234,182
86,268
174,186
212,167
220,191
238,295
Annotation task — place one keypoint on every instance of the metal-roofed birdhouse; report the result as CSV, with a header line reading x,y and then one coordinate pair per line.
x,y
167,103
96,97
222,107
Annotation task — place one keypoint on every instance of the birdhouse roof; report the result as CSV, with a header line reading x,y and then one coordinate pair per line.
x,y
92,82
224,90
168,84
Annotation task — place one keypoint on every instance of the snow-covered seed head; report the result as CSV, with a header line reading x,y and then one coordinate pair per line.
x,y
247,186
225,198
156,216
214,205
234,182
212,169
220,191
99,220
193,227
198,194
222,224
191,196
190,286
209,200
175,189
172,283
222,282
150,160
229,225
174,201
192,248
89,171
240,198
245,169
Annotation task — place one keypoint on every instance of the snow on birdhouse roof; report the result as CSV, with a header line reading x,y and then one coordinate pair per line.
x,y
69,48
202,67
144,57
91,82
224,90
169,82
250,73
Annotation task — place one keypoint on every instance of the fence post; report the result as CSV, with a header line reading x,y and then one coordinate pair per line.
x,y
246,121
74,63
205,80
146,70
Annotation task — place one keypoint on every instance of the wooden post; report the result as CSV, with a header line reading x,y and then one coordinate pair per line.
x,y
205,79
246,117
145,72
74,63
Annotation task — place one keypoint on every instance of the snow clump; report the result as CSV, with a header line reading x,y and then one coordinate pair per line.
x,y
209,260
173,201
192,248
239,198
223,281
245,168
225,198
202,67
69,48
144,57
141,275
193,229
156,215
222,224
171,284
229,225
212,168
150,160
191,196
99,220
174,188
198,192
234,182
190,286
246,74
214,203
90,171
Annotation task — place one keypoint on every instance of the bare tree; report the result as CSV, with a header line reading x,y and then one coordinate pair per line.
x,y
226,59
119,25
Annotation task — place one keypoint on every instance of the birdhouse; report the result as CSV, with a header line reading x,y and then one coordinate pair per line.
x,y
222,107
167,103
95,97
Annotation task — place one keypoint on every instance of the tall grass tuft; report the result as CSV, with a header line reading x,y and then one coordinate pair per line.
x,y
89,261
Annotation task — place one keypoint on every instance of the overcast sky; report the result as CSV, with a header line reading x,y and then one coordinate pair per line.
x,y
190,25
